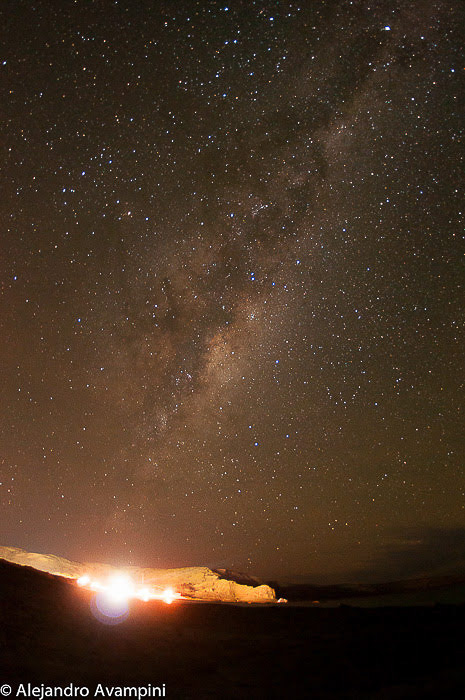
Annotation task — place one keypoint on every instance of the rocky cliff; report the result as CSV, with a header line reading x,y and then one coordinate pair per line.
x,y
195,582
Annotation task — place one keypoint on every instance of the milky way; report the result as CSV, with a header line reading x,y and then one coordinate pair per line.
x,y
232,322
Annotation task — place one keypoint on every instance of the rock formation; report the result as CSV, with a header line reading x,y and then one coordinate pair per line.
x,y
195,582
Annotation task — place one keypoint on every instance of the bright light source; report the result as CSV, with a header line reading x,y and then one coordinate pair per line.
x,y
83,581
168,596
119,588
144,594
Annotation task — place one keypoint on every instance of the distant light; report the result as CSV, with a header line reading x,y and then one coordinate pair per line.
x,y
144,594
119,588
168,596
387,28
83,581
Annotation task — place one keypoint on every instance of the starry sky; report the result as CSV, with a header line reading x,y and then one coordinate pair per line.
x,y
231,284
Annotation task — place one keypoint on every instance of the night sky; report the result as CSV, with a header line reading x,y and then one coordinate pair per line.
x,y
231,270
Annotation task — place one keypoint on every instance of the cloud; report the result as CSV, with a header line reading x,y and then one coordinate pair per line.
x,y
419,552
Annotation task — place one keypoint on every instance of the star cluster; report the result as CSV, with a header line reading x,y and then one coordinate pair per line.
x,y
232,324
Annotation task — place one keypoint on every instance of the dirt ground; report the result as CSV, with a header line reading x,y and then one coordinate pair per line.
x,y
49,635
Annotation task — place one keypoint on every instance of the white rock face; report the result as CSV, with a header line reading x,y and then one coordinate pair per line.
x,y
42,562
196,582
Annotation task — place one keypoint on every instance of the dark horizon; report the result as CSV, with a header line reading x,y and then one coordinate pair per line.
x,y
231,290
439,555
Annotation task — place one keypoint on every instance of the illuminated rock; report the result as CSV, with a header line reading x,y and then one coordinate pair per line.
x,y
43,562
194,582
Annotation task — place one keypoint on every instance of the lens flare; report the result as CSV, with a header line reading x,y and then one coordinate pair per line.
x,y
108,610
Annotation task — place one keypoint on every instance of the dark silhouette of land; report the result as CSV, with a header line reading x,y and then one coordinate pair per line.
x,y
448,588
203,650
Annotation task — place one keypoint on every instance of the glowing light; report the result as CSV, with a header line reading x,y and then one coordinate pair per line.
x,y
119,588
144,594
168,596
113,596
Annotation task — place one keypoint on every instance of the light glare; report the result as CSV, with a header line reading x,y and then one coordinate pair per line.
x,y
119,589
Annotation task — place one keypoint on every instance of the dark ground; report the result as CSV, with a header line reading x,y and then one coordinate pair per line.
x,y
48,635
